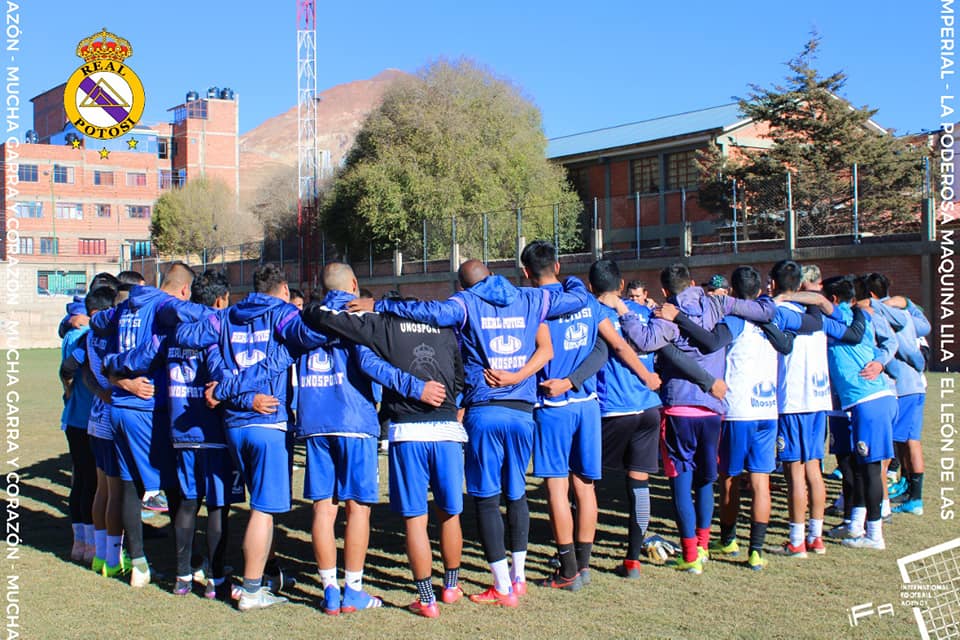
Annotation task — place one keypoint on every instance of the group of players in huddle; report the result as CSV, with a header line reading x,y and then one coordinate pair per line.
x,y
175,389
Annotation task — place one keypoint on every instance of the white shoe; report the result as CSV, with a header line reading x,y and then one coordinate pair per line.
x,y
865,543
139,577
839,531
78,551
261,599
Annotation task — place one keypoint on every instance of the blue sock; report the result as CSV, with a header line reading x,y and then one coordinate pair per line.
x,y
681,487
704,504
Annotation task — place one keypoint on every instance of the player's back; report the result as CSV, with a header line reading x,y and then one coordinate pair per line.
x,y
804,378
573,336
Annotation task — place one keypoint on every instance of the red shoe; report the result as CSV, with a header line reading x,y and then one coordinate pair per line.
x,y
492,596
451,594
520,588
817,546
629,569
788,549
426,610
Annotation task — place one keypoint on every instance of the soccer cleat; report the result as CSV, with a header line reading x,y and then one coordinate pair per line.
x,y
122,568
451,594
426,610
913,507
865,543
791,551
840,531
585,577
836,474
260,599
903,497
355,600
554,561
897,488
629,569
556,581
183,587
756,562
78,550
217,591
519,587
331,601
695,567
816,546
732,549
156,503
279,581
703,554
97,564
139,578
492,596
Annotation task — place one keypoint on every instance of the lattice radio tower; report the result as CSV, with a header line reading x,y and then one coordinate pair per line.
x,y
307,153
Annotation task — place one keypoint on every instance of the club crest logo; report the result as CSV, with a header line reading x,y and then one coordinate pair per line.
x,y
183,374
577,335
505,345
320,361
248,359
104,98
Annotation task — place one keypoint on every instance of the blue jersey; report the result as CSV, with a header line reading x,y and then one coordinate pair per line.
x,y
97,348
573,336
619,389
192,423
847,360
76,410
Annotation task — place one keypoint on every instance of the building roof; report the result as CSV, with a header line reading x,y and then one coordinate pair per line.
x,y
645,131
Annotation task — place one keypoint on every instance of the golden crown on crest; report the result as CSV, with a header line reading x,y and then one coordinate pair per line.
x,y
104,46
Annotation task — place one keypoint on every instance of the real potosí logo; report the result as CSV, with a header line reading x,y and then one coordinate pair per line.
x,y
104,98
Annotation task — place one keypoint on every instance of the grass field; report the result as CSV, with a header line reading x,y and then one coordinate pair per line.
x,y
791,599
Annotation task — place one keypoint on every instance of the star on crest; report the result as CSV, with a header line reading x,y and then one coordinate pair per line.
x,y
75,143
132,143
104,154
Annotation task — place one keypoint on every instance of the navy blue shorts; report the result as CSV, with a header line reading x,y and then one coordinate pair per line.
x,y
690,443
801,436
342,468
567,440
498,452
144,450
260,454
749,445
841,435
909,423
105,454
209,474
872,426
419,467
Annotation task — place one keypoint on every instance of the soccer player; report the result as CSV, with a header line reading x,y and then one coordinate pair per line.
x,y
296,298
636,291
426,441
503,343
718,285
810,278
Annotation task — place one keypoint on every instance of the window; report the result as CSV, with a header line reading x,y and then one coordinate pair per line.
x,y
682,172
27,173
136,179
92,247
578,178
138,211
163,149
165,179
194,109
139,248
103,178
26,246
103,210
67,283
68,211
49,246
29,209
645,173
62,174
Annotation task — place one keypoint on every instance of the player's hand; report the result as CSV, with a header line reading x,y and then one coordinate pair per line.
x,y
262,403
140,387
360,304
667,311
556,387
652,381
612,300
433,394
719,389
871,371
78,320
208,395
497,378
898,302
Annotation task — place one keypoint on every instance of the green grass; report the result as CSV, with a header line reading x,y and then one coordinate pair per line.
x,y
791,599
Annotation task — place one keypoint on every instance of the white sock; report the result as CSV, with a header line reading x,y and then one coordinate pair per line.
x,y
501,575
141,563
885,508
100,542
149,494
857,517
353,579
89,534
78,532
875,529
796,533
328,578
816,529
517,569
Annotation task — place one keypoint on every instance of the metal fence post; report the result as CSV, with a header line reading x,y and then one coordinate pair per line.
x,y
454,245
556,227
424,244
370,251
790,232
928,231
856,205
636,216
241,263
686,243
520,242
733,184
204,258
486,248
281,252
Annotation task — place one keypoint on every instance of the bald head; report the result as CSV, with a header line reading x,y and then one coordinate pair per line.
x,y
471,272
338,276
178,280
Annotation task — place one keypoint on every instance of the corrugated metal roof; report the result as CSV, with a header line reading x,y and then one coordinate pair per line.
x,y
644,131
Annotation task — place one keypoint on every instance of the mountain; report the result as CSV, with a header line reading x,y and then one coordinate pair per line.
x,y
271,147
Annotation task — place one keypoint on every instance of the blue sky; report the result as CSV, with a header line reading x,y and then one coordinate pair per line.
x,y
585,64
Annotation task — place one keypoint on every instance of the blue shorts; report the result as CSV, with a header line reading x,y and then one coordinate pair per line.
x,y
418,467
841,435
909,421
801,436
498,451
105,454
260,453
690,443
143,446
568,440
748,444
209,474
872,425
342,468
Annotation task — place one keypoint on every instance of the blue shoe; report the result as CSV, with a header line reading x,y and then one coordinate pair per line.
x,y
836,474
913,507
331,601
898,488
356,600
156,503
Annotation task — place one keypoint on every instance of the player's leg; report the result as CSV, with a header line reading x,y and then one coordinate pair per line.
x,y
184,514
98,514
872,424
733,454
79,548
518,445
319,486
814,438
409,484
909,426
356,465
446,483
586,456
679,443
789,448
761,462
705,477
